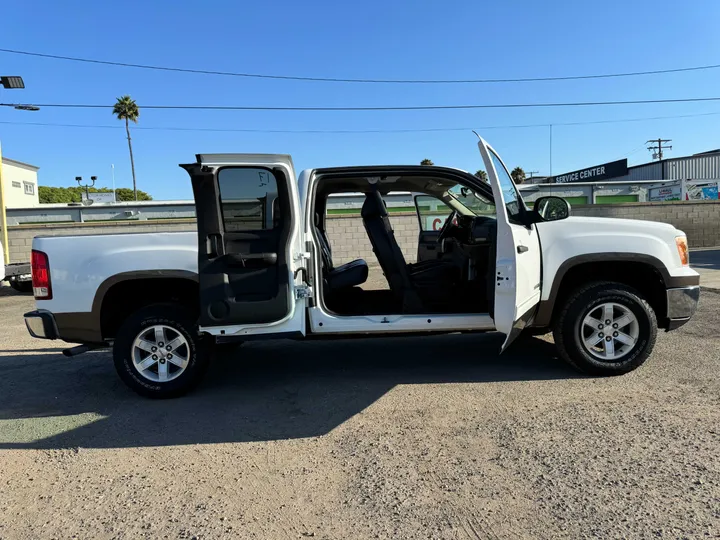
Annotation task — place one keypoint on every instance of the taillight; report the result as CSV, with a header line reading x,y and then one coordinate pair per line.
x,y
42,289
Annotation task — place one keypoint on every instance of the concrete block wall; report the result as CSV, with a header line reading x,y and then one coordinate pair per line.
x,y
700,220
349,241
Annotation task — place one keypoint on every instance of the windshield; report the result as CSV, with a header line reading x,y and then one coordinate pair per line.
x,y
474,202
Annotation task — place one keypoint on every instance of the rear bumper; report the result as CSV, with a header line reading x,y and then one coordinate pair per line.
x,y
41,324
681,305
18,270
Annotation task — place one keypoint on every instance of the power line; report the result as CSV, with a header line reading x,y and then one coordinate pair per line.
x,y
360,131
631,152
351,80
381,108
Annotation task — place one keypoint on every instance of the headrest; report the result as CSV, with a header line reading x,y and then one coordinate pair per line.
x,y
374,205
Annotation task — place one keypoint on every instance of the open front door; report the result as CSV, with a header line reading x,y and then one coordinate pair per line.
x,y
518,260
249,242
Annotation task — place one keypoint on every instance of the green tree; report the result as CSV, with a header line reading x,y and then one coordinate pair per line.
x,y
482,175
64,195
127,194
427,162
518,175
126,109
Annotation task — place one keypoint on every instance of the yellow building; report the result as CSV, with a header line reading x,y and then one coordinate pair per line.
x,y
21,184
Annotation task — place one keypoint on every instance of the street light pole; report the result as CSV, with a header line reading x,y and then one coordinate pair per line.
x,y
8,82
87,187
3,216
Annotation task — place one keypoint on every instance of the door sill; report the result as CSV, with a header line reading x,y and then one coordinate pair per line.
x,y
322,322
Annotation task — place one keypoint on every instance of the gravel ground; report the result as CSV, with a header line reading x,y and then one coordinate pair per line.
x,y
432,437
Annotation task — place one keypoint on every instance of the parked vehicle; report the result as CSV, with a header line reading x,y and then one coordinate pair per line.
x,y
260,266
17,274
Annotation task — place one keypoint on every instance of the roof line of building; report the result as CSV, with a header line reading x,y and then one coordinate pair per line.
x,y
20,163
675,158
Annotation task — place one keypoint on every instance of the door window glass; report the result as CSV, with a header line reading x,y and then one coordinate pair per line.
x,y
249,199
512,199
432,212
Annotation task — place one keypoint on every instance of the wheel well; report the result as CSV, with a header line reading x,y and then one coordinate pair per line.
x,y
645,278
126,297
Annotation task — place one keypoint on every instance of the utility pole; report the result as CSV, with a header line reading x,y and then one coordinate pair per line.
x,y
531,173
656,147
550,149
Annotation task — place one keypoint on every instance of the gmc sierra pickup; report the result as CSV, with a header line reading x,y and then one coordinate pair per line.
x,y
260,266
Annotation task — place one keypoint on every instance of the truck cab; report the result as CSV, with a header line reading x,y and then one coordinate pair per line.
x,y
265,269
282,280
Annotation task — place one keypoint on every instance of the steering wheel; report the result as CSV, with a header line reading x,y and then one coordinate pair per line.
x,y
447,226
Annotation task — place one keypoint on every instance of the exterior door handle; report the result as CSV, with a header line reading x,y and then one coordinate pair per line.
x,y
522,249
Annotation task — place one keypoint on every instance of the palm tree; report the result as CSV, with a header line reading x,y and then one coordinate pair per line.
x,y
427,162
126,109
518,175
482,175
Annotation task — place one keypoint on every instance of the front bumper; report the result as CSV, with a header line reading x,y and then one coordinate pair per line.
x,y
41,324
681,305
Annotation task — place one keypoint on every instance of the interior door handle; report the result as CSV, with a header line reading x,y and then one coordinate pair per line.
x,y
522,249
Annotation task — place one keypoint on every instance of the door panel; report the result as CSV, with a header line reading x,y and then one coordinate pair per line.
x,y
518,260
247,213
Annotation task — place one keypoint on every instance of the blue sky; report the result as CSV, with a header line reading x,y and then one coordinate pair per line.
x,y
419,39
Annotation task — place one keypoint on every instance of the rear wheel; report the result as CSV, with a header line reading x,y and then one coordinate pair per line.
x,y
159,353
606,329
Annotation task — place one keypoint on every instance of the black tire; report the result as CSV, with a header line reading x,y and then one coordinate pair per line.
x,y
180,320
567,330
24,287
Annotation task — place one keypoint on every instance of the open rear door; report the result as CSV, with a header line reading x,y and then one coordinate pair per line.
x,y
518,261
248,217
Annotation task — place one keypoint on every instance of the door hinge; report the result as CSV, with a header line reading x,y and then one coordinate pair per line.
x,y
301,256
303,291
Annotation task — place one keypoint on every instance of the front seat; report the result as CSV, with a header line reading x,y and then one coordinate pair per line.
x,y
347,275
388,252
418,287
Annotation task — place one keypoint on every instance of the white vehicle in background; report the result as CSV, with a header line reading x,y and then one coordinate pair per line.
x,y
17,274
260,267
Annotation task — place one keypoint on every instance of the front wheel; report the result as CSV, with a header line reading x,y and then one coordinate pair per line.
x,y
159,353
606,329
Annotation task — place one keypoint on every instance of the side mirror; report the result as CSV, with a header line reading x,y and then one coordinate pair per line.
x,y
551,208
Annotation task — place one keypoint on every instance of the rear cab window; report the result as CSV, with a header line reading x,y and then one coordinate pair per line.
x,y
249,199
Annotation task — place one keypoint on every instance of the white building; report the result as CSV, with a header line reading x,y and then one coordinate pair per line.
x,y
20,183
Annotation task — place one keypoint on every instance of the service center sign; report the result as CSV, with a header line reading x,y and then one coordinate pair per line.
x,y
595,174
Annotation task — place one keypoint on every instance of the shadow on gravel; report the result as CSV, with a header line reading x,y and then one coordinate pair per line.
x,y
708,259
9,291
261,391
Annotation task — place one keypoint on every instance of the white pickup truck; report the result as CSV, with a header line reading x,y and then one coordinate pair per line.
x,y
260,266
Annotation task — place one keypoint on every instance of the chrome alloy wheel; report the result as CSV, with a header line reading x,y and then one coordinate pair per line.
x,y
160,353
609,331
